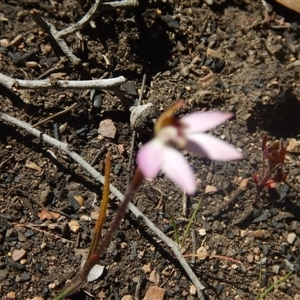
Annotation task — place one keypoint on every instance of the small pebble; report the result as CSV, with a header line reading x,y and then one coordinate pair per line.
x,y
293,146
250,258
209,189
16,41
18,254
43,245
147,268
97,102
4,43
11,295
202,232
74,226
26,276
85,218
193,290
127,297
291,237
155,292
244,185
276,269
101,295
95,273
154,277
51,286
107,128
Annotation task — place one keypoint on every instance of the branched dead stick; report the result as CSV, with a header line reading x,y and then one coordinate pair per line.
x,y
97,176
58,36
50,29
14,84
94,11
89,16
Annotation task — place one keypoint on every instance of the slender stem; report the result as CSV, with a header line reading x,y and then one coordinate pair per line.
x,y
129,195
262,296
103,209
267,177
98,249
190,223
175,228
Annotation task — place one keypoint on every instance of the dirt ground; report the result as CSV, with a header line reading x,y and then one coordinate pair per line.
x,y
229,56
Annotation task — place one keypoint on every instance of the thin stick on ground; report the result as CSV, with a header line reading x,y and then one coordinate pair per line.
x,y
15,84
88,17
97,176
51,30
60,113
94,11
34,227
58,36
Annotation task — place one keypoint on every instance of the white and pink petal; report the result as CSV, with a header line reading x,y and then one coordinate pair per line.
x,y
150,158
176,167
212,147
203,121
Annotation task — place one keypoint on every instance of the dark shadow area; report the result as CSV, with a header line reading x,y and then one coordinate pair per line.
x,y
280,119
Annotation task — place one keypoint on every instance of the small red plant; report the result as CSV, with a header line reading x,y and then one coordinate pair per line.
x,y
274,155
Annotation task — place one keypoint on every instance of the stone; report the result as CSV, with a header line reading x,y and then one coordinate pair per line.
x,y
193,290
154,277
291,237
11,295
244,185
293,146
147,268
127,297
107,128
210,189
202,232
18,254
74,226
154,293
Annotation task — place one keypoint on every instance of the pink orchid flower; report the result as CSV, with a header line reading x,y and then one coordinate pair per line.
x,y
187,132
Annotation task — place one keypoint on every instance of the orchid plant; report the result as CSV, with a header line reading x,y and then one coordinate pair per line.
x,y
159,154
274,154
187,132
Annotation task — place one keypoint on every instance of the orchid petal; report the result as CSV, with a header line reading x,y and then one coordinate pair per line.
x,y
178,170
212,147
150,158
203,121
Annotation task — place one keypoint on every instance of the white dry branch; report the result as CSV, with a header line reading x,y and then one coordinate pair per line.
x,y
97,176
15,84
94,11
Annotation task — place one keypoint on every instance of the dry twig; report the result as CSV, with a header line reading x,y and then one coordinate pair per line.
x,y
60,113
58,36
14,84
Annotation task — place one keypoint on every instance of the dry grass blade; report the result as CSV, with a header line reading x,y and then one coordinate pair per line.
x,y
103,208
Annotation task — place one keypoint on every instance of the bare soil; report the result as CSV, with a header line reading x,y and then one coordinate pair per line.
x,y
229,56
